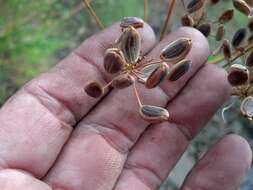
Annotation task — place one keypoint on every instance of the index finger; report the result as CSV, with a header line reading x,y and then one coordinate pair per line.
x,y
37,121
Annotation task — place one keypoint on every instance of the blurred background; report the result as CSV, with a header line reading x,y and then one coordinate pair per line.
x,y
35,35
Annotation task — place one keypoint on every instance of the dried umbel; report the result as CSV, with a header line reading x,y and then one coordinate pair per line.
x,y
128,67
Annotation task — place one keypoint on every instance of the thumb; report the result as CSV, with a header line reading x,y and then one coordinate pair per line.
x,y
15,180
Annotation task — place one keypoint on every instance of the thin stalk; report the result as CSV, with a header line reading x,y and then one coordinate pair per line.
x,y
93,14
171,6
235,56
145,6
137,95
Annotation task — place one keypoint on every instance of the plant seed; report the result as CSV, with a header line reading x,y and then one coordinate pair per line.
x,y
247,107
113,60
220,33
205,29
226,50
94,89
226,16
239,37
238,75
178,70
177,50
242,7
249,60
157,76
195,5
154,114
130,44
187,20
132,21
122,81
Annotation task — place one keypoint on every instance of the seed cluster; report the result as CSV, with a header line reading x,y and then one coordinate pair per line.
x,y
127,66
240,76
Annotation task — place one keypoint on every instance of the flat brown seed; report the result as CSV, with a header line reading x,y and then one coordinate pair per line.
x,y
249,60
214,1
132,21
226,16
94,89
157,76
220,33
250,2
178,70
130,44
122,81
177,50
226,50
238,75
113,60
247,107
250,25
195,5
187,20
205,29
242,7
239,37
154,114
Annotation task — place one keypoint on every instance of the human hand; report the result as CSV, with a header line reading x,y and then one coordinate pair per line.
x,y
54,136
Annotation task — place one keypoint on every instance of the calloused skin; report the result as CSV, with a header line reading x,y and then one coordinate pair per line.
x,y
55,137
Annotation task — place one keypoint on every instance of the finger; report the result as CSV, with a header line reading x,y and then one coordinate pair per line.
x,y
16,180
223,167
38,120
112,128
161,146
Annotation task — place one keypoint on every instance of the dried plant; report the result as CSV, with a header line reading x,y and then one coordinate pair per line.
x,y
124,58
127,66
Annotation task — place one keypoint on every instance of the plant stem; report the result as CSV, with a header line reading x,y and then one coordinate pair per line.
x,y
171,6
145,10
93,14
235,55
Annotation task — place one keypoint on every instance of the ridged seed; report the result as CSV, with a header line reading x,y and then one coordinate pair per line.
x,y
154,114
178,70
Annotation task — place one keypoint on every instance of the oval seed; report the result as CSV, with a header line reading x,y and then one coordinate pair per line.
x,y
215,1
178,70
226,16
226,50
195,5
176,50
157,76
154,114
238,75
220,33
239,37
94,89
187,20
113,60
130,44
132,21
242,7
247,107
122,81
250,25
205,29
250,38
249,60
